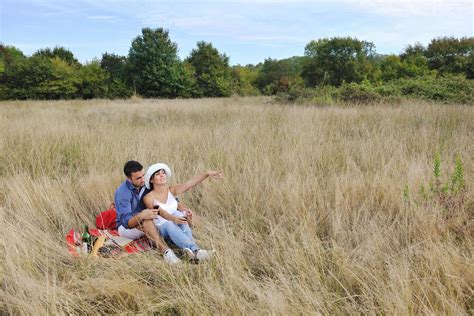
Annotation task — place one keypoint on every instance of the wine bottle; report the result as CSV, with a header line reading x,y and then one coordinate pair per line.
x,y
86,240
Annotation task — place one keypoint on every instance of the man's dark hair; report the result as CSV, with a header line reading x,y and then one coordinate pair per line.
x,y
131,167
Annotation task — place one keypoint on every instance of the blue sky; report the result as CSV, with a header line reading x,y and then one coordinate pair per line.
x,y
246,31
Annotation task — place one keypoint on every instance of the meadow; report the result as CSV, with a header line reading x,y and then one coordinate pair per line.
x,y
322,210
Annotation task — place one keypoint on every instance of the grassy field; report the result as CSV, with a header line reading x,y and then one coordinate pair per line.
x,y
321,210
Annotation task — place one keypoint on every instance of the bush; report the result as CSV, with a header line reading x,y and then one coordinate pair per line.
x,y
446,89
322,95
358,93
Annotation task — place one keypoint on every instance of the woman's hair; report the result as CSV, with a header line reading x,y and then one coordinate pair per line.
x,y
151,178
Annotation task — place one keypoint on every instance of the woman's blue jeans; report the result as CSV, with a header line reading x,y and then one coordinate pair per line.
x,y
181,235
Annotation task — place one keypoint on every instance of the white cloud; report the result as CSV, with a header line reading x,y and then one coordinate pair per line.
x,y
390,24
55,7
398,8
266,19
413,8
247,19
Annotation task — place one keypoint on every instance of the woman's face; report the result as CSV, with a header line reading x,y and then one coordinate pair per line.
x,y
159,177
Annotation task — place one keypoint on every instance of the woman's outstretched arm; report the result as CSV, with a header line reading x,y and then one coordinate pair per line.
x,y
183,187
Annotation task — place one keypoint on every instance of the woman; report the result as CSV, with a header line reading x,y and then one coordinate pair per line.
x,y
171,222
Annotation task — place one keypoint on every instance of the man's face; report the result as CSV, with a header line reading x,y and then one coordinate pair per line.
x,y
137,179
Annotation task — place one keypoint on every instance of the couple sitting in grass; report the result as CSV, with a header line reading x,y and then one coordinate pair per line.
x,y
146,205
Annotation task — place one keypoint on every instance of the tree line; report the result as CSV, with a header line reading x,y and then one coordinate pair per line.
x,y
331,68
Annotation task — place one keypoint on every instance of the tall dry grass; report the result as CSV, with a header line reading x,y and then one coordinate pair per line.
x,y
310,218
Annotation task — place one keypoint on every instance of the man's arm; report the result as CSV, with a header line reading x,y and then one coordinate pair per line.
x,y
135,220
124,212
123,205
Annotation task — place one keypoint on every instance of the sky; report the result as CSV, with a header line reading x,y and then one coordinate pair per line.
x,y
248,31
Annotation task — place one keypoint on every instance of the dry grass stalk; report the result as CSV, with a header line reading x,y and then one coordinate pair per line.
x,y
310,217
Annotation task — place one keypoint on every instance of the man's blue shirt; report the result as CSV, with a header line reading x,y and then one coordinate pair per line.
x,y
126,203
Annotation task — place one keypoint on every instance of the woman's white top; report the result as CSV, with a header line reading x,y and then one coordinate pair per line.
x,y
170,206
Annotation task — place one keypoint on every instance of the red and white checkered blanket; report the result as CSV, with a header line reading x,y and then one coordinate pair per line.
x,y
136,246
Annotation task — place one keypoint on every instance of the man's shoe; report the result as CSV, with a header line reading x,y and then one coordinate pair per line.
x,y
189,254
170,257
203,255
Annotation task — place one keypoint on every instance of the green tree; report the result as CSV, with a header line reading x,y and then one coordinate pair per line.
x,y
114,65
411,63
450,55
391,67
337,60
59,83
155,67
470,66
118,75
211,71
243,80
415,66
92,81
9,55
278,75
414,62
39,77
413,50
19,80
60,52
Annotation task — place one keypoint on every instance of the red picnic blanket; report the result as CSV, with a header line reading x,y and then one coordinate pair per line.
x,y
105,221
139,245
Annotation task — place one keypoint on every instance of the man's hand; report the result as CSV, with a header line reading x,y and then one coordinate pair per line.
x,y
148,213
215,174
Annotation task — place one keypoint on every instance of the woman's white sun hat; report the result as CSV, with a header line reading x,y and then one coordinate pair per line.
x,y
154,168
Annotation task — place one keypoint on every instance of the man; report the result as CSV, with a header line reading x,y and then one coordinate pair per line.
x,y
132,222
